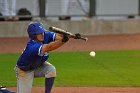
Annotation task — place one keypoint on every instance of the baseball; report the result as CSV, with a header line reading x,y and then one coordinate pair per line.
x,y
92,54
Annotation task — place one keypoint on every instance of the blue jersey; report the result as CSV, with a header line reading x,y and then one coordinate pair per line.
x,y
32,57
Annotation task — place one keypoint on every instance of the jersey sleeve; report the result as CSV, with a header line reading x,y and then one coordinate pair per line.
x,y
49,37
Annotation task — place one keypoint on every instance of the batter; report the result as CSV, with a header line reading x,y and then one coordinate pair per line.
x,y
33,61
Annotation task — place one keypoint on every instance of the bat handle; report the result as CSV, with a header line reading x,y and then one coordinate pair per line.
x,y
82,38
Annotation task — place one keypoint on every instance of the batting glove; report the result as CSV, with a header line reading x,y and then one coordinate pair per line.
x,y
65,38
77,36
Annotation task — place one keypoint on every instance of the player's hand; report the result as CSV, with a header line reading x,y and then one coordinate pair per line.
x,y
65,38
77,36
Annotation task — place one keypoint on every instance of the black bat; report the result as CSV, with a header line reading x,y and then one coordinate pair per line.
x,y
61,31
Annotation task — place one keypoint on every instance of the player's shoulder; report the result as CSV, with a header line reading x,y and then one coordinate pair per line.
x,y
33,43
32,47
48,32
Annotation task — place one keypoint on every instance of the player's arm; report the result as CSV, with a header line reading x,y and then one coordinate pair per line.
x,y
58,36
59,41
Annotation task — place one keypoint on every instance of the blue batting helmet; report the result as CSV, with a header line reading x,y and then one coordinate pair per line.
x,y
35,28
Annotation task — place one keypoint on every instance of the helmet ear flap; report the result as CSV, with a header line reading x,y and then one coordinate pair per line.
x,y
32,36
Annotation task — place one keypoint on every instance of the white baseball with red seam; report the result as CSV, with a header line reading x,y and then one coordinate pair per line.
x,y
92,54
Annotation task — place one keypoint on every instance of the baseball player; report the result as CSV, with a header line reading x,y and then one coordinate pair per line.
x,y
33,60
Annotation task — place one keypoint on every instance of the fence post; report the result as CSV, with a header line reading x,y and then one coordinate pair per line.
x,y
139,7
92,8
42,4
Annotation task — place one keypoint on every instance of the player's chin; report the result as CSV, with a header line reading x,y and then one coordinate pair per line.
x,y
40,40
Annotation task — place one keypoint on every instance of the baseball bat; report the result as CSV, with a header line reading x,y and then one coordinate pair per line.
x,y
61,31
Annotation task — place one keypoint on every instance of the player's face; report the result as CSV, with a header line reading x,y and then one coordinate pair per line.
x,y
40,37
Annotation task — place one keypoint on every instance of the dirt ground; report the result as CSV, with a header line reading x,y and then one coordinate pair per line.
x,y
96,43
86,89
104,42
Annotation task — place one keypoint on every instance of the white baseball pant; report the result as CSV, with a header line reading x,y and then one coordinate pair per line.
x,y
25,79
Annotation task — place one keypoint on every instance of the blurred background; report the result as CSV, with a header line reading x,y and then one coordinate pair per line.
x,y
89,17
67,9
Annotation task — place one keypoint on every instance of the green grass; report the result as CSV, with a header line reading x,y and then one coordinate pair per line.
x,y
108,68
